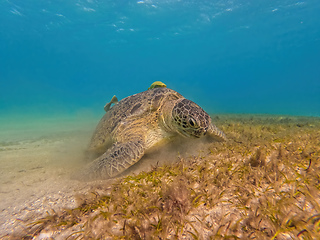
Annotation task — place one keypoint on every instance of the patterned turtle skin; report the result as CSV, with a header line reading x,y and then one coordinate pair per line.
x,y
140,122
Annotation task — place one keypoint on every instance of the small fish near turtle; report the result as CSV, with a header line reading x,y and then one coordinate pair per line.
x,y
140,122
114,99
157,84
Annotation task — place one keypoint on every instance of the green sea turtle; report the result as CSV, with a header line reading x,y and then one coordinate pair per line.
x,y
114,99
140,122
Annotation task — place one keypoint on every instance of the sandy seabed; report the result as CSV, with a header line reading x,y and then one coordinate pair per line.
x,y
38,157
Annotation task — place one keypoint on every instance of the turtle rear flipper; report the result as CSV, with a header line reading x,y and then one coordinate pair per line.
x,y
114,161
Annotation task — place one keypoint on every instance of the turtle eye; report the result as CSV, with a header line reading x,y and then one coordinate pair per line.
x,y
192,122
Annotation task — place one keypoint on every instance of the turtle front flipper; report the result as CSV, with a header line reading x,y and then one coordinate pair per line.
x,y
216,133
114,161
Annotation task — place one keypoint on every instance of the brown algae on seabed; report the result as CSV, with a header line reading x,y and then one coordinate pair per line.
x,y
263,183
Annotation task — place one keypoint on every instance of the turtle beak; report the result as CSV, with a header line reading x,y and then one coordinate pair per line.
x,y
183,133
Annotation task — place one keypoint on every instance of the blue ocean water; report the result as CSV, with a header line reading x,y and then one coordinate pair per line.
x,y
229,56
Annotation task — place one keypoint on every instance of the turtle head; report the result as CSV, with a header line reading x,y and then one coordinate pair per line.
x,y
189,119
